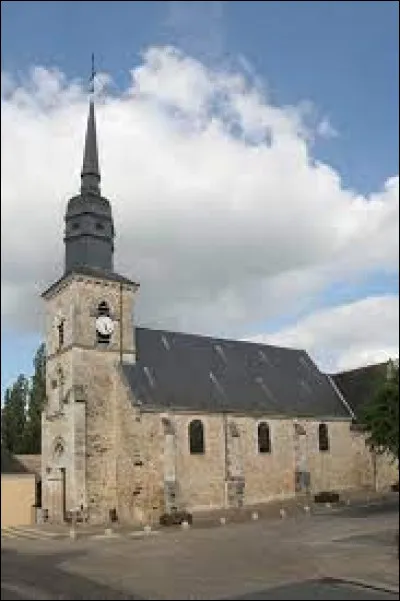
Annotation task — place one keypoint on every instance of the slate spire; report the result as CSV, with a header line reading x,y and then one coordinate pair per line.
x,y
90,176
89,225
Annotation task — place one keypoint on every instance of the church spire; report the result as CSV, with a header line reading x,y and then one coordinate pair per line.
x,y
89,226
90,176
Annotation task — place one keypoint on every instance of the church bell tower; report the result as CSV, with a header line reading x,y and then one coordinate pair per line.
x,y
89,333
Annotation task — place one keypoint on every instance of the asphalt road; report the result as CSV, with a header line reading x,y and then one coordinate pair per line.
x,y
33,575
320,589
63,586
39,577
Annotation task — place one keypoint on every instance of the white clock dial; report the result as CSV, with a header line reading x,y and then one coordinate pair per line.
x,y
104,325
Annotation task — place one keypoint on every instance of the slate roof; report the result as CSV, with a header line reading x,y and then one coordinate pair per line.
x,y
19,464
95,272
359,385
185,371
31,463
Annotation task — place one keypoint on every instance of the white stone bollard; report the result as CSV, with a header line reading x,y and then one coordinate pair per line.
x,y
222,521
347,501
328,505
254,515
185,525
108,532
147,529
282,513
307,509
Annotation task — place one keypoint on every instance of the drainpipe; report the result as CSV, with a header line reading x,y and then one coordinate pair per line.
x,y
225,433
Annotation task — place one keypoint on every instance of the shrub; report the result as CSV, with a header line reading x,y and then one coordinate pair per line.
x,y
175,518
326,497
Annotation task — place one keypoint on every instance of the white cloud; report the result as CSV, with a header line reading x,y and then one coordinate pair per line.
x,y
348,336
326,130
220,210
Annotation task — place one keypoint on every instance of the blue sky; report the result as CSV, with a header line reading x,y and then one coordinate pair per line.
x,y
342,56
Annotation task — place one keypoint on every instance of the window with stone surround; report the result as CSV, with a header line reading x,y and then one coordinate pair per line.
x,y
323,437
196,437
264,438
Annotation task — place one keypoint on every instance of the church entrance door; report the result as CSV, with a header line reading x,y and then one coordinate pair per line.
x,y
57,497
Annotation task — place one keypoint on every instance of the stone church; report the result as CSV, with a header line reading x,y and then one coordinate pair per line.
x,y
140,422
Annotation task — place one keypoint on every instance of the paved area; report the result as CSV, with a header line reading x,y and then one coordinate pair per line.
x,y
30,532
320,589
352,502
265,559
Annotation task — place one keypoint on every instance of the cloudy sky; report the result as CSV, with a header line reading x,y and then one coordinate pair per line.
x,y
250,152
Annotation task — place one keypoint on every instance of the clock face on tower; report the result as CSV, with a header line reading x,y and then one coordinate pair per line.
x,y
104,325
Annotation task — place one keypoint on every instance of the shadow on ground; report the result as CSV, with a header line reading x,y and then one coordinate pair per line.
x,y
22,572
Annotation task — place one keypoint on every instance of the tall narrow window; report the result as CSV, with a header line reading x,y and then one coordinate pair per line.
x,y
60,329
323,437
60,386
264,438
196,437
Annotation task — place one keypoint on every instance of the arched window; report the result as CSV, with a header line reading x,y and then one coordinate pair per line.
x,y
196,437
323,437
264,438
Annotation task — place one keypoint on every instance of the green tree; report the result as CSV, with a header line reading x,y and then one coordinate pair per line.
x,y
380,416
13,415
36,400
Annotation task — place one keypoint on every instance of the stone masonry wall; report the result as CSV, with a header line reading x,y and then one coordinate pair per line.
x,y
201,478
97,370
140,488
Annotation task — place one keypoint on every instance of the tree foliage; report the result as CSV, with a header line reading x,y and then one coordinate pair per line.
x,y
13,418
37,396
21,412
381,416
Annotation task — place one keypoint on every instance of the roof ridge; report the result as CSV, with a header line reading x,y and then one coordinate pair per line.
x,y
219,339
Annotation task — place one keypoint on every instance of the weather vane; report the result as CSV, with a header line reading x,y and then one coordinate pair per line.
x,y
92,76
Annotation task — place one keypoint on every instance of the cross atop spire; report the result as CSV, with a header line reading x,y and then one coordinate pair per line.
x,y
90,176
